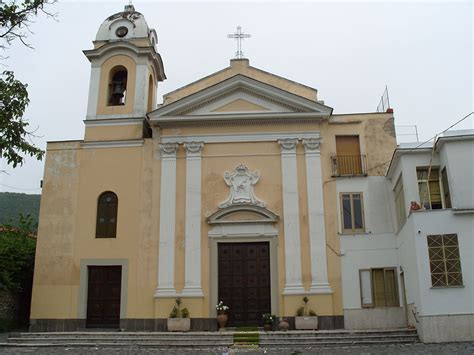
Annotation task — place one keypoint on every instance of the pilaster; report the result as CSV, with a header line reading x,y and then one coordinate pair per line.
x,y
167,221
291,215
317,232
192,261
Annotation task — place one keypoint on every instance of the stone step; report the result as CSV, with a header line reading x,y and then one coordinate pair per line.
x,y
275,339
292,333
341,340
332,343
123,341
352,336
122,345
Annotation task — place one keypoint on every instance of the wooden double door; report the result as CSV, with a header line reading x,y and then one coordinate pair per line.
x,y
103,296
244,281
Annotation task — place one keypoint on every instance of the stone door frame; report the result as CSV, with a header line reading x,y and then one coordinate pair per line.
x,y
243,238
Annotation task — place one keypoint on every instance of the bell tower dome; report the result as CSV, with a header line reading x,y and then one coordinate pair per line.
x,y
125,70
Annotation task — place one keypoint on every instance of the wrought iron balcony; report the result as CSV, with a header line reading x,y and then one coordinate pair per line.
x,y
349,165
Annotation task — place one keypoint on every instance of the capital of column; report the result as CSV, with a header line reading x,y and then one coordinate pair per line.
x,y
312,145
288,145
193,148
169,149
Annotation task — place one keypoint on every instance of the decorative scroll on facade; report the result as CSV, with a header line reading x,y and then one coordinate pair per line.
x,y
241,182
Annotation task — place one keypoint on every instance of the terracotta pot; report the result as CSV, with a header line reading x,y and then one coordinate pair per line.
x,y
267,327
284,325
222,320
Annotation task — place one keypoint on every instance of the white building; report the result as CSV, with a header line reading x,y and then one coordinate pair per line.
x,y
407,266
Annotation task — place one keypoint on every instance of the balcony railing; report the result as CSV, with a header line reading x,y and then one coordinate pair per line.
x,y
349,165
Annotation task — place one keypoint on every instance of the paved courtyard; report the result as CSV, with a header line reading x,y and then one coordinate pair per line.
x,y
419,348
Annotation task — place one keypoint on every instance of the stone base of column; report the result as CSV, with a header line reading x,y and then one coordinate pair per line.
x,y
293,290
165,292
192,291
320,288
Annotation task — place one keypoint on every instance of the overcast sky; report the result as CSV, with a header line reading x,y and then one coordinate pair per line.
x,y
348,51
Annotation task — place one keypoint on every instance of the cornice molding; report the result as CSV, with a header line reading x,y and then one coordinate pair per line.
x,y
113,144
240,119
236,138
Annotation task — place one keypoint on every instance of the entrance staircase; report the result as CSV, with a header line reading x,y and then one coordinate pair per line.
x,y
211,340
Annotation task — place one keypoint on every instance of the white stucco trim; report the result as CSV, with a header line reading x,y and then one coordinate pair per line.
x,y
113,144
141,86
317,231
236,138
114,122
291,223
167,222
245,229
192,260
93,91
115,116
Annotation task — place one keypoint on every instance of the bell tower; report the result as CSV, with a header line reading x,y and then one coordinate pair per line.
x,y
125,70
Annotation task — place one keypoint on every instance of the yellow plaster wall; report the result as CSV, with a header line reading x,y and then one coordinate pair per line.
x,y
64,239
107,66
241,66
111,133
240,105
54,274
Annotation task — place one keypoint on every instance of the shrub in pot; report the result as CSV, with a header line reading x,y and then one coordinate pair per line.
x,y
179,320
306,319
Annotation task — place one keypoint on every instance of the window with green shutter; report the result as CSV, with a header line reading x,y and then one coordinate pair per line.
x,y
379,287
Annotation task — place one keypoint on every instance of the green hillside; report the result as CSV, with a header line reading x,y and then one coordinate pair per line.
x,y
12,204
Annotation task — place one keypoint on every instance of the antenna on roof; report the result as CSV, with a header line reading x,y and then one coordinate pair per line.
x,y
384,104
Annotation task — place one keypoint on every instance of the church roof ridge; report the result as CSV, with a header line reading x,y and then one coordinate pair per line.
x,y
310,92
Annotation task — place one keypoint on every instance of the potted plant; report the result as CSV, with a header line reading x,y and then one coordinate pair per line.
x,y
306,319
268,319
283,325
179,320
222,314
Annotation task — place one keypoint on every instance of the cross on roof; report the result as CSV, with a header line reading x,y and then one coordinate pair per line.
x,y
239,35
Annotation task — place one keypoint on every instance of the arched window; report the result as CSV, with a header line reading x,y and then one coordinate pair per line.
x,y
117,86
150,94
107,215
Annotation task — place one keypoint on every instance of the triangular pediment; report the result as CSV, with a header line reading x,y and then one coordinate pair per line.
x,y
240,105
239,95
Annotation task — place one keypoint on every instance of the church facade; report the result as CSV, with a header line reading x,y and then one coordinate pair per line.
x,y
238,188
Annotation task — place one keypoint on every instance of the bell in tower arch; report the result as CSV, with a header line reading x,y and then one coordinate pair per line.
x,y
118,87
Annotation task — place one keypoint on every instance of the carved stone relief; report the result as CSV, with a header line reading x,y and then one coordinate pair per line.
x,y
241,182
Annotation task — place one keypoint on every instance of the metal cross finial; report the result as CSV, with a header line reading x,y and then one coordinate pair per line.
x,y
239,35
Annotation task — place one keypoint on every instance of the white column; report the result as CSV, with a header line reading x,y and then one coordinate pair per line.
x,y
317,233
192,261
291,217
93,92
167,221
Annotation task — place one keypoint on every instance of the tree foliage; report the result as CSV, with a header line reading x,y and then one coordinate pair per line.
x,y
14,135
16,17
17,256
15,20
13,205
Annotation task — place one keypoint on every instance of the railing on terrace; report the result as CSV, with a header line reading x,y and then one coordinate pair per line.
x,y
349,165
